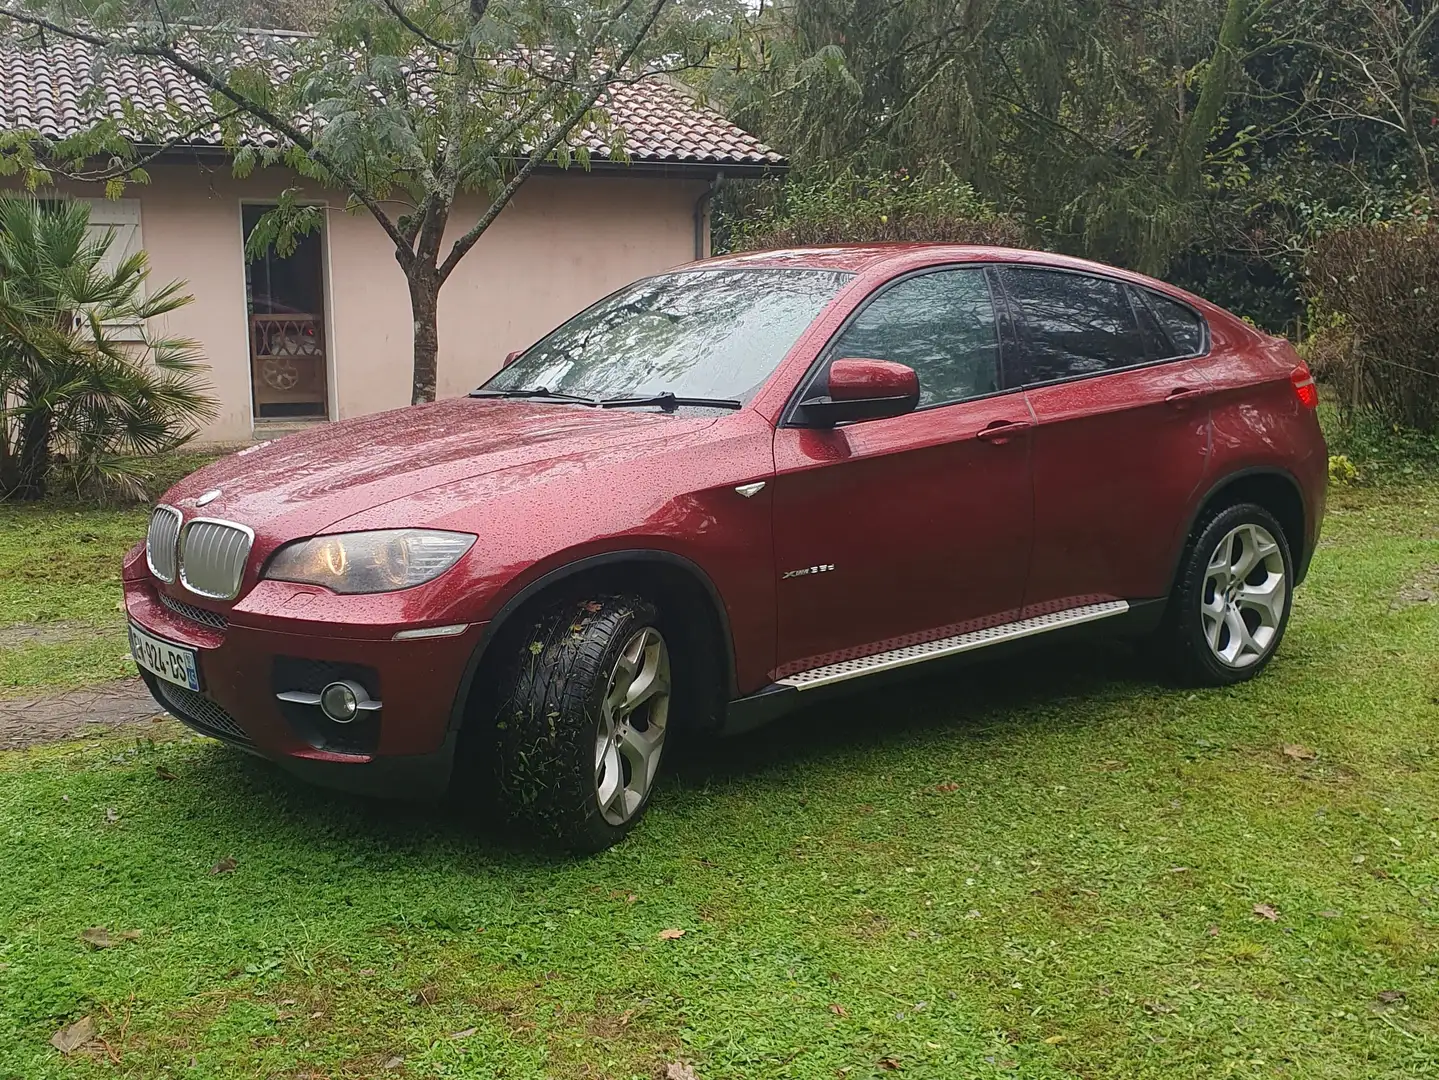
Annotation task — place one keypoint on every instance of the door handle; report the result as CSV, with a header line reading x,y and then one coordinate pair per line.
x,y
1182,395
1001,431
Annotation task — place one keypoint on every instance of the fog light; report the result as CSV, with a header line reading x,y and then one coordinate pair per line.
x,y
340,701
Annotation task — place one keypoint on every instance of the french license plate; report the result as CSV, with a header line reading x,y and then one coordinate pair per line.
x,y
173,663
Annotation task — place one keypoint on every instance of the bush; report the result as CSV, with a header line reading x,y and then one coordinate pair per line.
x,y
851,208
78,396
1374,294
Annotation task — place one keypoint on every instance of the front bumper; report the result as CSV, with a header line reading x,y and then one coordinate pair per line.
x,y
407,750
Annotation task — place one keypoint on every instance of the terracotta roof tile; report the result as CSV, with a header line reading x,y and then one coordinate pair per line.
x,y
59,89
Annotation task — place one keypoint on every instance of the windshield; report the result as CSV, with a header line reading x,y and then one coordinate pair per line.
x,y
695,334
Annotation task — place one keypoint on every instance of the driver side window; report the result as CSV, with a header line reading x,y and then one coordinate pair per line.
x,y
942,325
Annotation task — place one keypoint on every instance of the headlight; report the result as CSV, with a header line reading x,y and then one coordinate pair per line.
x,y
369,562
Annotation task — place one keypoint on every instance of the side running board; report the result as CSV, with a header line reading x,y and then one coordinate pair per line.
x,y
933,650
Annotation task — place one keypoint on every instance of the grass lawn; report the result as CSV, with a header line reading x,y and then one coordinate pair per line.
x,y
60,575
1050,868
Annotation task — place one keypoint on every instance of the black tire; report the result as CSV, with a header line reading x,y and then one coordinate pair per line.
x,y
1182,641
549,716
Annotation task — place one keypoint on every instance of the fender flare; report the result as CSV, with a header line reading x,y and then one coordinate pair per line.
x,y
1301,556
569,570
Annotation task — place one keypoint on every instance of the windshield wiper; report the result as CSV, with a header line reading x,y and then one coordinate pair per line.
x,y
666,400
534,392
669,402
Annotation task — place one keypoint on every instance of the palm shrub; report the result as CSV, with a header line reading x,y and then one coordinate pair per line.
x,y
76,394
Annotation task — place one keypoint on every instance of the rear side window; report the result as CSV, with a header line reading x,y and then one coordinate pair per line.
x,y
1073,324
940,324
1183,328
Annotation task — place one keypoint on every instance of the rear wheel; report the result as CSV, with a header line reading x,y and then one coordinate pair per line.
x,y
1230,605
581,730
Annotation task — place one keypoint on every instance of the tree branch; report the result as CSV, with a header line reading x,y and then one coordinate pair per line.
x,y
462,246
245,104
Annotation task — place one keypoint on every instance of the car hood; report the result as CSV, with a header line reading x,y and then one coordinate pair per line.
x,y
301,484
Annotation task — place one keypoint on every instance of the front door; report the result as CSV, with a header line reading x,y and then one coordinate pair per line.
x,y
287,332
1121,440
911,528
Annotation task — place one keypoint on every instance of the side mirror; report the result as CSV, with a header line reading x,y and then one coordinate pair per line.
x,y
510,358
863,390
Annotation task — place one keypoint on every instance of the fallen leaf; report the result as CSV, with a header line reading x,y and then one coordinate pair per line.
x,y
1055,1040
224,866
1213,931
678,1070
394,1062
1329,914
1266,911
98,937
593,606
670,935
1296,752
890,1063
111,815
1390,997
69,1039
462,1034
164,773
948,787
838,1009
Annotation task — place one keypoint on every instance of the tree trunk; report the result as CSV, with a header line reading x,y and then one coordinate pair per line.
x,y
424,305
1218,82
33,456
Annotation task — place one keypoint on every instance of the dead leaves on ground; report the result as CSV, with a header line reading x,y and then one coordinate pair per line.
x,y
1298,752
1266,911
679,1070
97,937
71,1038
670,934
224,866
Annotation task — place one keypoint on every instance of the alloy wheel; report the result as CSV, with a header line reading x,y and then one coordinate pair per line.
x,y
1245,588
631,732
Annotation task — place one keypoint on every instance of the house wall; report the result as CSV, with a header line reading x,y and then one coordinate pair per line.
x,y
562,243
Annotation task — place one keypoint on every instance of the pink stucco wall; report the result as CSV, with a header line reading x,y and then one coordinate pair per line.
x,y
564,241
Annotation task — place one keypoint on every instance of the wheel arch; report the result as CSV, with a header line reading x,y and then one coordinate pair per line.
x,y
681,584
1275,489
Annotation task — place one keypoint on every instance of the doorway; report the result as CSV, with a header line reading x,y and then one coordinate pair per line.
x,y
285,300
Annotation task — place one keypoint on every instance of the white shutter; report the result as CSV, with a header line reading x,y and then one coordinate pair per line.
x,y
122,217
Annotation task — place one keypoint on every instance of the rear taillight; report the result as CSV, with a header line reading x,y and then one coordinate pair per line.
x,y
1304,388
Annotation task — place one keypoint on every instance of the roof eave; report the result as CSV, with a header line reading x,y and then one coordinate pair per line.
x,y
706,170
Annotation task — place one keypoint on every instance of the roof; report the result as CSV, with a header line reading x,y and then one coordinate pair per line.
x,y
892,258
45,88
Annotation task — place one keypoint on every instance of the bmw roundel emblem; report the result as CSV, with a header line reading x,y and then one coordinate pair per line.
x,y
207,498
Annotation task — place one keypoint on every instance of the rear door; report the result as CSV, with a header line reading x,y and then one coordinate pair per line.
x,y
1121,439
906,529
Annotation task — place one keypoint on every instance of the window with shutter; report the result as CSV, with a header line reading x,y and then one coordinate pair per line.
x,y
122,217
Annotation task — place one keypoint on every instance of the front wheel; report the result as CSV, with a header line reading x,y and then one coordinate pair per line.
x,y
581,730
1231,602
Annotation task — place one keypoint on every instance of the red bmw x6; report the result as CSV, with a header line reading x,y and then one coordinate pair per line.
x,y
724,491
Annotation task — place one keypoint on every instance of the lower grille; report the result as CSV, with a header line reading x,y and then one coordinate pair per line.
x,y
199,711
195,614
